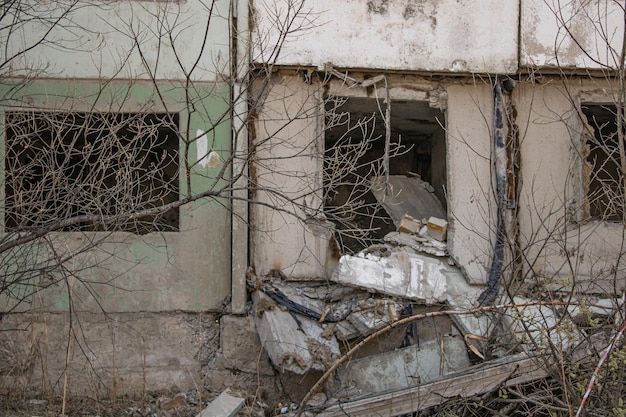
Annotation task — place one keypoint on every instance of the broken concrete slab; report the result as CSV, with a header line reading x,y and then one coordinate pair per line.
x,y
225,405
401,274
402,368
462,296
417,243
344,312
407,195
477,379
374,314
539,327
291,346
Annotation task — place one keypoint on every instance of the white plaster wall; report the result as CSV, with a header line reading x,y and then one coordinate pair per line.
x,y
119,39
471,214
429,35
559,251
287,170
581,34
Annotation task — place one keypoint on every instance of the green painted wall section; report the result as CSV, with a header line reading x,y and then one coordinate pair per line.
x,y
187,270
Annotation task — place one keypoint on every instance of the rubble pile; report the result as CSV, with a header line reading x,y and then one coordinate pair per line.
x,y
307,326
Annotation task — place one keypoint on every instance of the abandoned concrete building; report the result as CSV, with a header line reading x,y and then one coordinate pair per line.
x,y
242,194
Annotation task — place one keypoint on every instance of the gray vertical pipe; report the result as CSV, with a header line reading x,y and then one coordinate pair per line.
x,y
500,165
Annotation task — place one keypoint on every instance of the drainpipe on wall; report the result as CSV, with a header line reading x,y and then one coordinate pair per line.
x,y
239,116
500,170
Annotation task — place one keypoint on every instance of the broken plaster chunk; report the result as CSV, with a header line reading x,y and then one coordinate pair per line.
x,y
374,314
437,228
418,243
289,347
400,274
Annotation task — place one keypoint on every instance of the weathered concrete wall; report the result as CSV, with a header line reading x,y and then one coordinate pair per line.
x,y
126,40
148,285
155,288
187,270
571,34
131,353
560,250
287,181
433,35
470,190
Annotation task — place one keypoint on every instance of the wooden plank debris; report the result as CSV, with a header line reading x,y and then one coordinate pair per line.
x,y
225,405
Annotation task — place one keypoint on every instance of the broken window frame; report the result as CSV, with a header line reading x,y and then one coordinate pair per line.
x,y
344,88
141,165
601,190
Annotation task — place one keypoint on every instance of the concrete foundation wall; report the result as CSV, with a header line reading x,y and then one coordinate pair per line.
x,y
131,353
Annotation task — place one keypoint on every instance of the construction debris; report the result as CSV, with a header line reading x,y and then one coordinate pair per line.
x,y
409,224
401,368
437,228
401,274
419,243
478,379
407,195
292,344
225,405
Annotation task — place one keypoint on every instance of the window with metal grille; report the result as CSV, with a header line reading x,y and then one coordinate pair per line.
x,y
603,176
101,167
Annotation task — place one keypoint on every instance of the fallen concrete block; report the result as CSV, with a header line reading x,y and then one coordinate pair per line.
x,y
411,196
462,296
400,274
437,228
289,347
225,405
374,314
402,368
409,224
538,328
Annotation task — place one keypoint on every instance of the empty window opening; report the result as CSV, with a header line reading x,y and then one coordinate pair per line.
x,y
354,155
60,165
603,176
